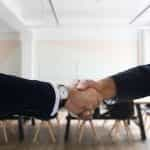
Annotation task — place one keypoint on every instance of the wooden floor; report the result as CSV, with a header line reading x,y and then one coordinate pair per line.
x,y
104,141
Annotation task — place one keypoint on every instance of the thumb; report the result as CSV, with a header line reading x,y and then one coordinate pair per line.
x,y
83,85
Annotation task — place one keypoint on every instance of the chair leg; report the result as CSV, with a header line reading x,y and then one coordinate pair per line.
x,y
141,124
93,129
20,128
51,126
50,129
67,130
37,133
117,128
33,121
79,121
5,132
113,127
147,119
81,131
127,128
104,123
148,126
58,121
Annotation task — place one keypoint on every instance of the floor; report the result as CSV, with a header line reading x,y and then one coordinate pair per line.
x,y
103,142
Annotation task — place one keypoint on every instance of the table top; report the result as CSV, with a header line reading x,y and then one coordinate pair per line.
x,y
145,100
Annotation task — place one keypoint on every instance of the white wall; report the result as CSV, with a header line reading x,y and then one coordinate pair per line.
x,y
27,56
10,53
146,46
63,55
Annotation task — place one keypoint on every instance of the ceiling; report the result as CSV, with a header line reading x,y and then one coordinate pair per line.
x,y
38,13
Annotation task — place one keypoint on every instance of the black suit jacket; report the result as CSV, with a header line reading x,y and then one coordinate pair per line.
x,y
25,97
133,83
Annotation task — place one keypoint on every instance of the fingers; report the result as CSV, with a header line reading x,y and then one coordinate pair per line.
x,y
85,84
74,84
83,103
71,107
87,114
99,99
82,85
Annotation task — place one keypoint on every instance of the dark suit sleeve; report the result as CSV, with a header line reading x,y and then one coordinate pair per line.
x,y
133,83
26,97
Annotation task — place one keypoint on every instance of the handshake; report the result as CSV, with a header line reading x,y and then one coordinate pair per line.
x,y
86,96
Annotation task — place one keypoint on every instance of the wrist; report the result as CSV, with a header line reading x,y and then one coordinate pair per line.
x,y
63,94
107,88
64,101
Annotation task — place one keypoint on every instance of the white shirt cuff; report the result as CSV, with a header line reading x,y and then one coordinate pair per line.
x,y
57,100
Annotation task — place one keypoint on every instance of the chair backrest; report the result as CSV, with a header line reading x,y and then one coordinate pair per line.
x,y
120,109
147,106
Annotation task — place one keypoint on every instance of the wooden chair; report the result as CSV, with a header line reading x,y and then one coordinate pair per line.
x,y
113,113
81,129
122,113
49,126
118,126
81,125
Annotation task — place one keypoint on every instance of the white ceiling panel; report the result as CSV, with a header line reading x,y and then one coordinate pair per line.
x,y
75,12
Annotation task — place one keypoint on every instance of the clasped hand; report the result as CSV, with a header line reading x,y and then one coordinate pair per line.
x,y
83,100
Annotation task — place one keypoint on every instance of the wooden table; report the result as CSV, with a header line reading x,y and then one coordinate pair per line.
x,y
145,100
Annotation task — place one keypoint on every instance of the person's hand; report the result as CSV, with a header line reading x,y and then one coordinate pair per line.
x,y
106,87
83,103
85,84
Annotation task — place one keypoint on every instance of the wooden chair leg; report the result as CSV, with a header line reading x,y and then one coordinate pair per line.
x,y
50,129
37,133
128,131
93,129
147,120
117,128
113,127
5,132
51,126
79,121
145,117
58,121
81,131
148,127
104,123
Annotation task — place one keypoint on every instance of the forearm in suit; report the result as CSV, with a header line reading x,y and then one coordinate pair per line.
x,y
133,83
27,97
